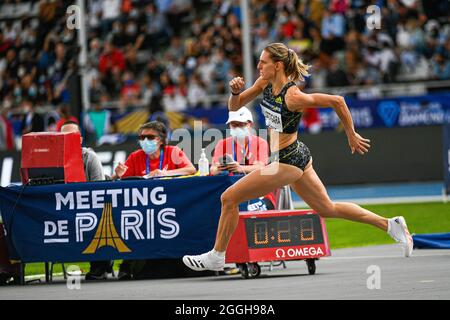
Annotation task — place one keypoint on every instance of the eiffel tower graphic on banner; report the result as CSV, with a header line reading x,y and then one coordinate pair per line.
x,y
106,234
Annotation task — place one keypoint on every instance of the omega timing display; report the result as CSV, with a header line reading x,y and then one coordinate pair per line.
x,y
285,231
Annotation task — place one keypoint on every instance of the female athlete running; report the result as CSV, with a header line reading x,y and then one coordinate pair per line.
x,y
291,161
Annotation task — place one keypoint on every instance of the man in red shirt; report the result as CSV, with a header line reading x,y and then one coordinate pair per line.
x,y
155,158
243,152
110,59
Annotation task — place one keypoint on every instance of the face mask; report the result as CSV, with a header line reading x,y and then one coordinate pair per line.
x,y
131,29
134,13
32,91
7,103
239,133
17,91
218,22
282,19
21,72
149,146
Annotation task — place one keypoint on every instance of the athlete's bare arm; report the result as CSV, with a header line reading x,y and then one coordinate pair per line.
x,y
297,101
235,102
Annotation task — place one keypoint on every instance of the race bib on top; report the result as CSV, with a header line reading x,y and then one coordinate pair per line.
x,y
273,118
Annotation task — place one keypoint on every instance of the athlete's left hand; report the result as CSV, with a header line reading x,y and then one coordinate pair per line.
x,y
358,143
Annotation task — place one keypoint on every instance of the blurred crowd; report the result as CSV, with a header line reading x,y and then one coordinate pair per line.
x,y
173,55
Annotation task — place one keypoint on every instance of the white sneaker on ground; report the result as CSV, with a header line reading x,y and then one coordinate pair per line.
x,y
398,230
206,261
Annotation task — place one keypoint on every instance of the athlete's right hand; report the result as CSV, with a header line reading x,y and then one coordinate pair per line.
x,y
358,143
237,84
120,169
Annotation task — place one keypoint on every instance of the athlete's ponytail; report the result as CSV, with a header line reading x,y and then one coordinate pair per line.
x,y
294,67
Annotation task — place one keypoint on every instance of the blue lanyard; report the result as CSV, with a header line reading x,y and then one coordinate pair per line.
x,y
246,153
161,158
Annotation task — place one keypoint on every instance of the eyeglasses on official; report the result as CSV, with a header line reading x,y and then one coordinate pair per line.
x,y
148,136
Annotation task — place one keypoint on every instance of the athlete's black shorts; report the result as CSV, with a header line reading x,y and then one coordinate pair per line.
x,y
296,154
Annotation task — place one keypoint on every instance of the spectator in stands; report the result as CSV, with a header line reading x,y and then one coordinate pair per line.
x,y
59,68
149,89
222,66
112,58
129,94
110,13
176,48
158,31
336,76
64,116
97,120
154,69
333,30
206,71
48,13
388,62
97,90
32,121
440,67
94,9
179,9
111,65
154,159
5,43
196,92
119,39
262,39
6,132
311,121
93,170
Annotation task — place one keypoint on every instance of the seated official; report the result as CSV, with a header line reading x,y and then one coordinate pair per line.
x,y
242,153
155,158
94,172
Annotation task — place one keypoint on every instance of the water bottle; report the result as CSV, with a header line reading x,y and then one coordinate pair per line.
x,y
203,164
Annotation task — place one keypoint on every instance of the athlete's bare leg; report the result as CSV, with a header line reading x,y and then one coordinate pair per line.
x,y
256,184
308,186
311,189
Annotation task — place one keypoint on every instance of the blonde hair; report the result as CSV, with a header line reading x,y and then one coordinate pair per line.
x,y
294,67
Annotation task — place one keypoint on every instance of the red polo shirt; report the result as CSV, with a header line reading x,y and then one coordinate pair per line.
x,y
173,158
258,150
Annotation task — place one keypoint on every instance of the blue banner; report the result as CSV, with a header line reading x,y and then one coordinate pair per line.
x,y
393,112
134,219
432,241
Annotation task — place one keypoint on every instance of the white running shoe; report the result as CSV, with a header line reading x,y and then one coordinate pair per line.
x,y
205,261
398,230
